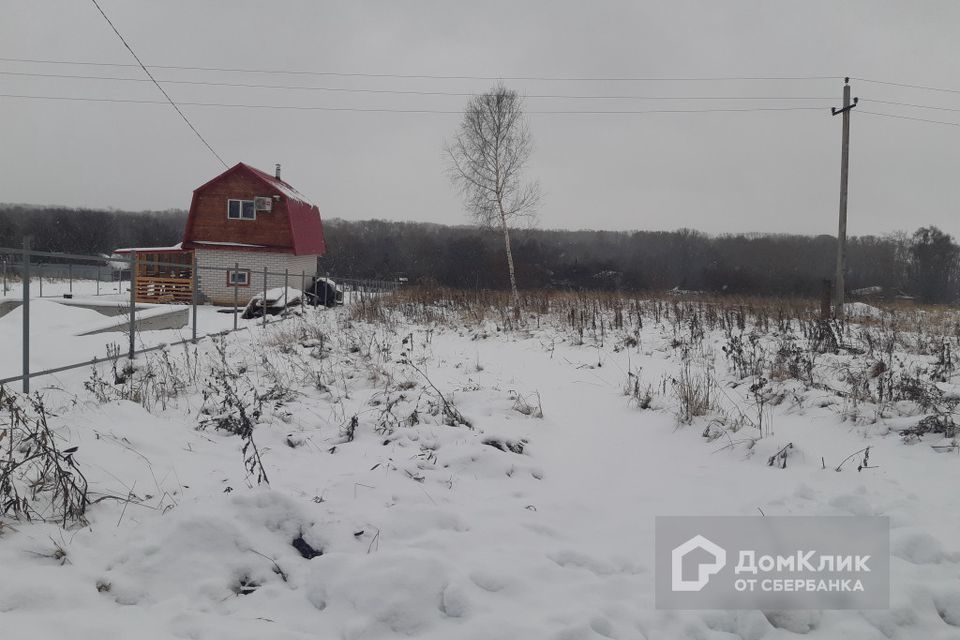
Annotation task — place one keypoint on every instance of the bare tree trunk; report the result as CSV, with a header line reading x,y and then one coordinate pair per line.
x,y
485,162
513,276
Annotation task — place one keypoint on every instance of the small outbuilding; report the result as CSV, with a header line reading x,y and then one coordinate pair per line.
x,y
242,222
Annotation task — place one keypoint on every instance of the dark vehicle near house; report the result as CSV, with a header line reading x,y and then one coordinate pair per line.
x,y
323,291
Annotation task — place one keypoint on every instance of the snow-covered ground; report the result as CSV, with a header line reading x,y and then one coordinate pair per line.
x,y
53,288
414,456
54,326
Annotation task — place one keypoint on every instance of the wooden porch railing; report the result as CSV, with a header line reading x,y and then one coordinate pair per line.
x,y
164,289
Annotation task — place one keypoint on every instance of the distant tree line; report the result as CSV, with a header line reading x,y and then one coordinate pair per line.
x,y
88,231
925,265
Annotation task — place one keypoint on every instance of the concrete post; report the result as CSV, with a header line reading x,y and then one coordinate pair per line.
x,y
842,226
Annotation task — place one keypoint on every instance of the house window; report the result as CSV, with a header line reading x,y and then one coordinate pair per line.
x,y
238,278
241,210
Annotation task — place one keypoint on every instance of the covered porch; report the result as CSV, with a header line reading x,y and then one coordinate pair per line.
x,y
162,275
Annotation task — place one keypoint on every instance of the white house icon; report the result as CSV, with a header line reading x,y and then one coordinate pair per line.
x,y
704,570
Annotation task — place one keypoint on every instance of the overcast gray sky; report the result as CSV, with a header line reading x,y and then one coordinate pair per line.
x,y
768,171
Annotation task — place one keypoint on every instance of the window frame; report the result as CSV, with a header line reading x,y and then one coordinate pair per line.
x,y
244,272
240,216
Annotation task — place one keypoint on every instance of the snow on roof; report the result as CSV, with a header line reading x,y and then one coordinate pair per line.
x,y
305,224
284,187
176,247
230,244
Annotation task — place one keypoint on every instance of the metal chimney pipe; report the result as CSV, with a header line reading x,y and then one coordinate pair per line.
x,y
278,171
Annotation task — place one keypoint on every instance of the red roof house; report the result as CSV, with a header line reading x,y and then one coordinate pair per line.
x,y
246,209
241,222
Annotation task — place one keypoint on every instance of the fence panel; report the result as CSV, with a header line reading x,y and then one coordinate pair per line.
x,y
70,274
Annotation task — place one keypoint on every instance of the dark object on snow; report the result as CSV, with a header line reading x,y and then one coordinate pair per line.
x,y
931,424
323,291
278,301
256,311
305,549
780,457
513,446
246,586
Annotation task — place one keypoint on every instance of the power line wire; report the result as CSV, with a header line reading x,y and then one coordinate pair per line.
x,y
225,104
401,91
910,104
900,117
429,76
150,75
904,85
393,110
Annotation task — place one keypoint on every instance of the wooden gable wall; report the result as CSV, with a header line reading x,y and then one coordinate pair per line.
x,y
208,214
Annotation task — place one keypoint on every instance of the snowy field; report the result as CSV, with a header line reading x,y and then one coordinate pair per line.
x,y
430,469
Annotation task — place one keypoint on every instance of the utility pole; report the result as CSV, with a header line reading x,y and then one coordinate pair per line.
x,y
844,169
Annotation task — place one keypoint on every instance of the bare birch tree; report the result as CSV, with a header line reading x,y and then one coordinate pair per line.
x,y
486,162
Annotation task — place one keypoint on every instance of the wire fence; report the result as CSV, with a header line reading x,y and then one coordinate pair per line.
x,y
57,279
105,279
140,299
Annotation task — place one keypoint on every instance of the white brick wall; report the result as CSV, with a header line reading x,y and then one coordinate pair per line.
x,y
213,284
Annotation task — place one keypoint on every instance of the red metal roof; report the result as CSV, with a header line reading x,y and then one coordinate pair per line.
x,y
305,223
306,226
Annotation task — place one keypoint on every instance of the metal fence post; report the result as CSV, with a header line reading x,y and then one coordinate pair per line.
x,y
193,299
236,292
25,275
40,273
98,279
264,301
133,307
303,288
70,278
4,276
326,287
286,284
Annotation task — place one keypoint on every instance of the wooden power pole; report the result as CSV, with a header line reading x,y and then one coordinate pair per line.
x,y
844,169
